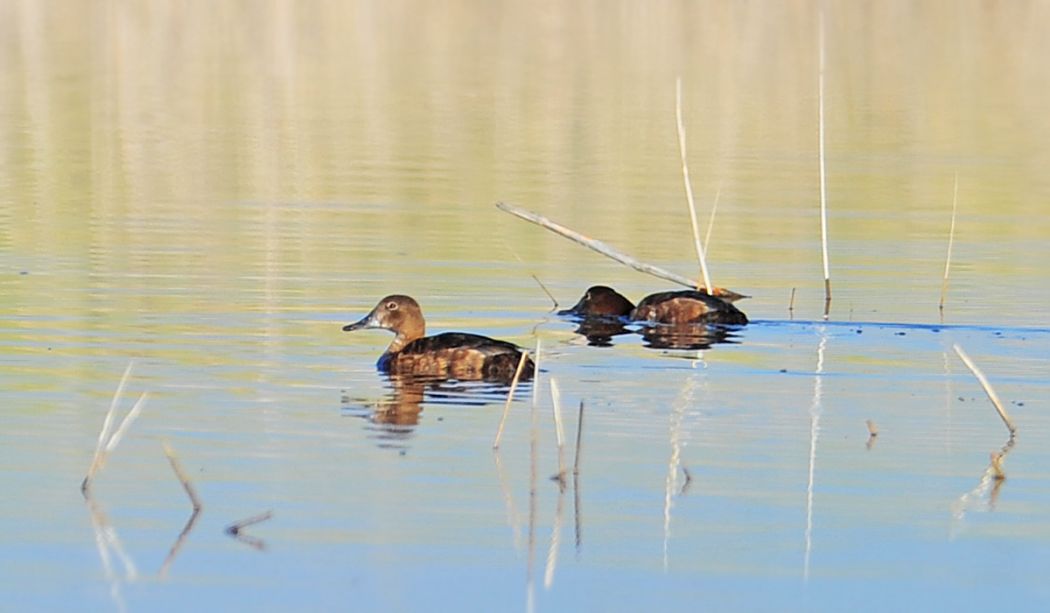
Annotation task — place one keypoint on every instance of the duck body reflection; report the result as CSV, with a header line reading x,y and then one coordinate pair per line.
x,y
394,416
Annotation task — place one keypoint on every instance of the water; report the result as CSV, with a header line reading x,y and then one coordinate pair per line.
x,y
213,193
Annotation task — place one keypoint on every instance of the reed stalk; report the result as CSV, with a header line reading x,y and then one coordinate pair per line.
x,y
689,188
823,170
194,500
559,432
107,441
987,389
510,398
951,242
594,244
180,474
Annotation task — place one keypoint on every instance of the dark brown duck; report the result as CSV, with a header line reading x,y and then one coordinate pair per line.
x,y
456,355
676,307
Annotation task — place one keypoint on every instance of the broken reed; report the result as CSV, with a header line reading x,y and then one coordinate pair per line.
x,y
108,442
987,389
182,477
594,244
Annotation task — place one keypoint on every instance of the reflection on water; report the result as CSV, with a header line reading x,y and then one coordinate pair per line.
x,y
393,417
600,331
211,187
688,336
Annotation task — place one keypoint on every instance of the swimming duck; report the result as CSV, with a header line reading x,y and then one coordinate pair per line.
x,y
601,301
687,307
456,355
676,307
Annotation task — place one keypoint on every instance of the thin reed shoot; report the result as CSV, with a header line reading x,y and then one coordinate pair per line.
x,y
689,188
823,166
107,441
559,432
951,242
510,397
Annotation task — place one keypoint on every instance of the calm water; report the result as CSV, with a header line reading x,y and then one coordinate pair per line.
x,y
213,191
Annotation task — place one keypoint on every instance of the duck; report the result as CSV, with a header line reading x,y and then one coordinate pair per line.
x,y
455,355
601,301
674,307
687,307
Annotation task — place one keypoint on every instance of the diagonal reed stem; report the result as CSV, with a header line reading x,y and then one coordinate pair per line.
x,y
987,389
594,244
510,398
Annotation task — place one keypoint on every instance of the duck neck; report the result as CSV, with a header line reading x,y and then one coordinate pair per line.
x,y
406,335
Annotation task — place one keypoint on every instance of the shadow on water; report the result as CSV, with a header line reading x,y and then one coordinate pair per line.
x,y
392,419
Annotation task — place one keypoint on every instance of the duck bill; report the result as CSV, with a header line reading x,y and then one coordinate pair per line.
x,y
368,321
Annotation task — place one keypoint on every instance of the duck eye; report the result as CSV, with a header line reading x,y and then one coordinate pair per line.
x,y
391,306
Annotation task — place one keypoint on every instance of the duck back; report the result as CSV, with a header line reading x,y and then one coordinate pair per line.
x,y
460,355
687,307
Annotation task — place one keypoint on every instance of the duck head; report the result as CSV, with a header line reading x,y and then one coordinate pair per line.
x,y
397,313
600,301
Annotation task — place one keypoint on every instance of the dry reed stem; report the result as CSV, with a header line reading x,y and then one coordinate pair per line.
x,y
104,434
596,245
534,277
194,500
184,479
125,424
689,187
559,432
873,428
987,389
791,301
108,445
951,242
510,398
823,170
